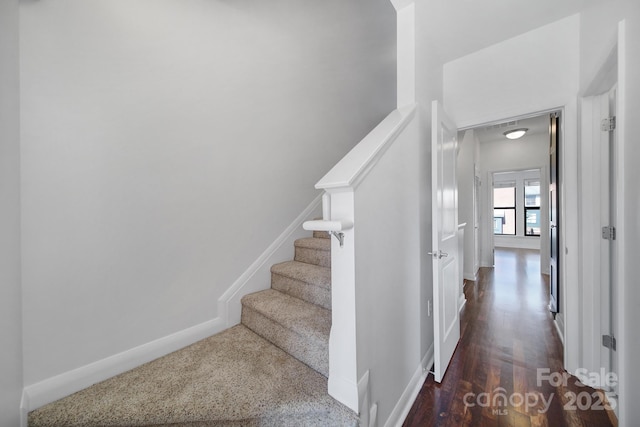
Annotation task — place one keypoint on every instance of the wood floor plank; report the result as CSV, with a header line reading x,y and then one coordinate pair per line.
x,y
507,334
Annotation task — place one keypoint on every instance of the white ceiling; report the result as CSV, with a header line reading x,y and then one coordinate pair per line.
x,y
536,125
459,27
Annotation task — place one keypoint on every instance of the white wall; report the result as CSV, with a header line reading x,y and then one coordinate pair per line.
x,y
630,295
166,144
387,272
10,292
532,72
466,182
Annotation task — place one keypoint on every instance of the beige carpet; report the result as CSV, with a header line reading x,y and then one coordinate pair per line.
x,y
269,371
235,378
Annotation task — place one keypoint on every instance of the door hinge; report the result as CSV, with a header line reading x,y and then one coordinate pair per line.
x,y
609,124
609,233
609,341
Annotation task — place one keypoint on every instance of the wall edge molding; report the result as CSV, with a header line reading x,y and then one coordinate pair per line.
x,y
401,4
229,302
404,404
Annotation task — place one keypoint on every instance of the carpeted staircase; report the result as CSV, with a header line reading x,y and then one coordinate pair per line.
x,y
271,370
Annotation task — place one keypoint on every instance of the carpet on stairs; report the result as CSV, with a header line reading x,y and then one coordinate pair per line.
x,y
234,378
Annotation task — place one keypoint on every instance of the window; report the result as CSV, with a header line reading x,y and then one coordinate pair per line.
x,y
504,208
532,207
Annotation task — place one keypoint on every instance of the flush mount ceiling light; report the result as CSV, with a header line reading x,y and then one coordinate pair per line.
x,y
515,133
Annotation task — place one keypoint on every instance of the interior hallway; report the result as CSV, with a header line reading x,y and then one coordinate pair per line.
x,y
507,334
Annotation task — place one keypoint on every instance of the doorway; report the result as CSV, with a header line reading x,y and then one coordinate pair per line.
x,y
491,164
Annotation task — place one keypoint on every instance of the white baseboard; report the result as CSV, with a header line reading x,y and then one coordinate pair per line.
x,y
258,276
559,319
364,404
402,408
461,302
54,388
24,410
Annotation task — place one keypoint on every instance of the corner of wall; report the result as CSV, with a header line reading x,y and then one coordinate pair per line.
x,y
258,276
404,404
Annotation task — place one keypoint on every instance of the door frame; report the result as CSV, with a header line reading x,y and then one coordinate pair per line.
x,y
610,76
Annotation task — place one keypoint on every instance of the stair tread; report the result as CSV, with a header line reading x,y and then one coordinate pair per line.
x,y
234,377
318,243
309,273
295,314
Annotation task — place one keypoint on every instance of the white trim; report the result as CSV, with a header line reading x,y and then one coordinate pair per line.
x,y
556,323
257,276
470,277
59,386
344,391
625,333
364,402
569,236
461,302
358,162
24,409
404,404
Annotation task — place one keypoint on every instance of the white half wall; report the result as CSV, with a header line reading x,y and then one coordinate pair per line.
x,y
166,145
10,290
387,273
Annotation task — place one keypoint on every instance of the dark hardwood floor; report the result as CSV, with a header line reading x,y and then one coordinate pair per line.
x,y
495,376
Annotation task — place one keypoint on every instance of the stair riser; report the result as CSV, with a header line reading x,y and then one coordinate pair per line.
x,y
302,290
321,235
313,256
312,352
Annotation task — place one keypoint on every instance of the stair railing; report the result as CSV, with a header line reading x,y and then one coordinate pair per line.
x,y
346,384
335,228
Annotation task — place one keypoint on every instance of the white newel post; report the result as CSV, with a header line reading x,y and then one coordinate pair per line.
x,y
343,375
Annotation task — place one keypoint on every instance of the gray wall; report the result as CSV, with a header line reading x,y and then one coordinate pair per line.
x,y
166,144
10,293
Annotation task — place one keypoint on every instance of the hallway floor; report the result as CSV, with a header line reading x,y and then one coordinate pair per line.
x,y
507,368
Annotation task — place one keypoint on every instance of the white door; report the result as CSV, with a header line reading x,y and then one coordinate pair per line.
x,y
444,251
600,249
